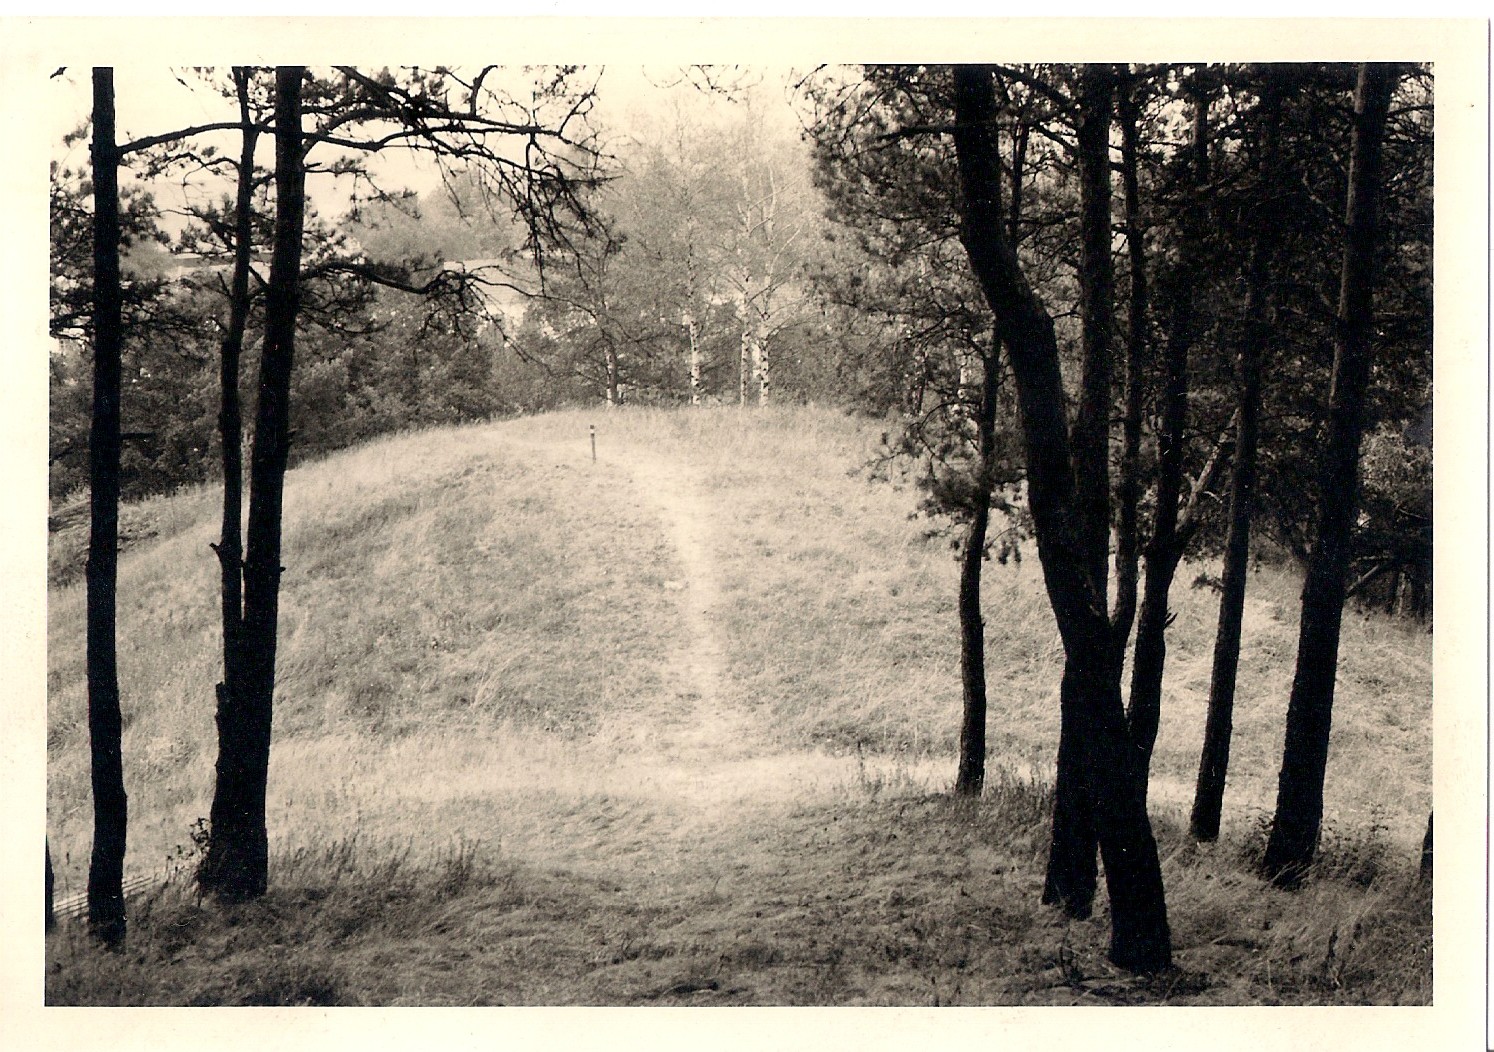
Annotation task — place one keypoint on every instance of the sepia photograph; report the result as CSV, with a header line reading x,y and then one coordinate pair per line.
x,y
830,526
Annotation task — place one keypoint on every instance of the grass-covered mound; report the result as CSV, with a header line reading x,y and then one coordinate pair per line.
x,y
676,726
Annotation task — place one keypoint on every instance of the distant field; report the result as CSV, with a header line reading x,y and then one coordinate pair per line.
x,y
676,727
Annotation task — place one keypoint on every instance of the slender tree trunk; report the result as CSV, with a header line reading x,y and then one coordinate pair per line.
x,y
744,374
972,769
49,887
1021,132
764,367
697,389
1097,734
237,862
1128,484
1424,872
1165,548
1070,880
696,385
106,907
230,547
1299,798
1213,764
614,388
1091,436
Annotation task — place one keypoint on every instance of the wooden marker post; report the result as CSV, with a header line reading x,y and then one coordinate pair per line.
x,y
593,442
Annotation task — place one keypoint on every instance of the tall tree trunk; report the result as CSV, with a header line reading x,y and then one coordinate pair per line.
x,y
1140,940
614,387
230,547
1213,764
972,768
744,371
1424,871
1091,440
1021,132
697,387
106,907
1128,483
1165,546
764,366
237,862
1299,797
1071,859
49,883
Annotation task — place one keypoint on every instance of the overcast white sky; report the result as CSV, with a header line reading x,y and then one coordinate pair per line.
x,y
151,100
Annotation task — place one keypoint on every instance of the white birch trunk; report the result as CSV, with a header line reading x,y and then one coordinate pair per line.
x,y
697,386
764,372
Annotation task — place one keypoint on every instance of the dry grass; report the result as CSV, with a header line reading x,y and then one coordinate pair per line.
x,y
495,781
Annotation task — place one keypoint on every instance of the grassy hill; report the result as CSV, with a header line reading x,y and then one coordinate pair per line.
x,y
677,727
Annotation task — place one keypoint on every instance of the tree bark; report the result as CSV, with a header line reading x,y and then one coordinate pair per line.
x,y
614,388
972,768
1096,733
1299,798
1128,483
1091,436
48,887
1071,866
696,385
230,546
237,862
744,371
764,368
106,907
1424,871
1165,547
1213,764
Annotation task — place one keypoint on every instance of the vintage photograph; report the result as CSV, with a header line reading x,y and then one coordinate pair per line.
x,y
662,534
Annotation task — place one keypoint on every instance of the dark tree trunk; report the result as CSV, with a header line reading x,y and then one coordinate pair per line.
x,y
1072,873
230,547
1140,939
1070,881
1097,729
972,770
1021,132
1128,484
1299,798
1091,441
1213,764
49,883
1165,546
237,862
1424,873
106,908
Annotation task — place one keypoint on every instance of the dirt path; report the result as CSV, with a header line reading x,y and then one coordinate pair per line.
x,y
712,725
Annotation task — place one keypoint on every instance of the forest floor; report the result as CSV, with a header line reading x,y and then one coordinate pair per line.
x,y
677,727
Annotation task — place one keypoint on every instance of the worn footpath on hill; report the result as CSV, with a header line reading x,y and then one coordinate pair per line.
x,y
707,747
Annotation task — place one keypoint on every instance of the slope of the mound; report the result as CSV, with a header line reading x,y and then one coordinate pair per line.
x,y
695,700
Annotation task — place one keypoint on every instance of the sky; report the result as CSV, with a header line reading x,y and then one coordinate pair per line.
x,y
151,100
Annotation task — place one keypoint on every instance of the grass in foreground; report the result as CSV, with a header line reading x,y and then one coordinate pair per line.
x,y
478,795
870,899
